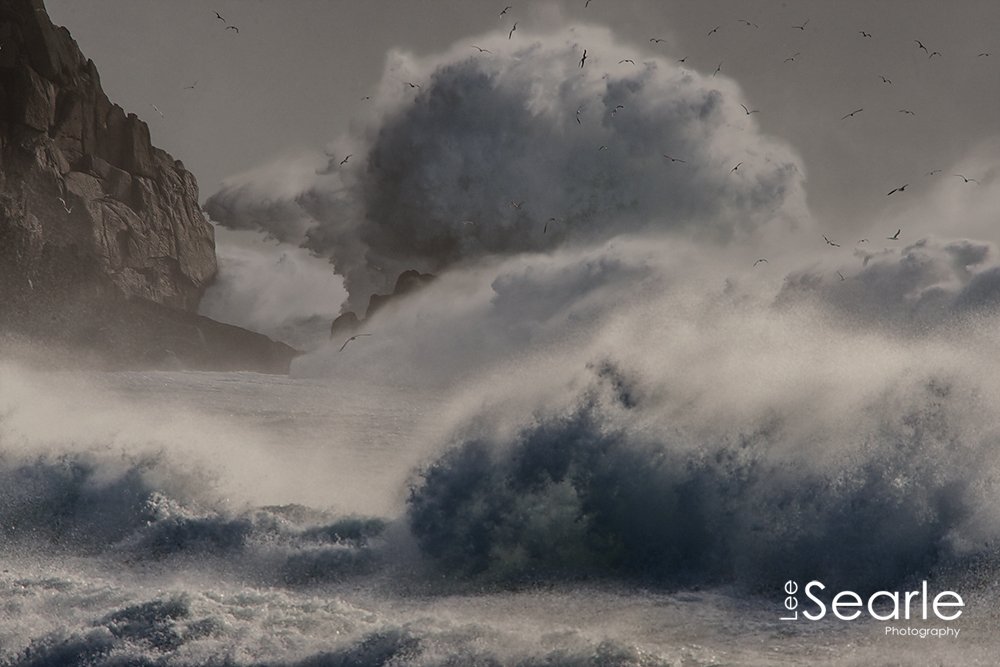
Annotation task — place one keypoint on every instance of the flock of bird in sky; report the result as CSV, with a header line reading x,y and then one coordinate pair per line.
x,y
505,14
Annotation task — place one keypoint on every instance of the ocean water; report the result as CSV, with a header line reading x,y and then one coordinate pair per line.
x,y
176,518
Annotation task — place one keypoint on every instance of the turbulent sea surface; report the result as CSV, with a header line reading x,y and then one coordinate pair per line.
x,y
239,519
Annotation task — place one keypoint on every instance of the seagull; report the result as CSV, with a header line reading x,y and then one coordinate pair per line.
x,y
801,27
505,10
933,53
656,40
517,204
760,260
602,148
967,180
481,49
682,60
920,45
934,171
841,275
586,4
863,241
792,57
512,29
157,110
748,24
344,161
907,111
851,115
865,34
717,69
354,337
412,85
984,53
546,227
715,29
894,237
736,167
232,27
615,110
884,80
901,188
219,16
578,122
191,87
674,159
748,110
830,243
66,207
583,59
626,60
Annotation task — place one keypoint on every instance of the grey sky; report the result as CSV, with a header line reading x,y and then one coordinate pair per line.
x,y
295,75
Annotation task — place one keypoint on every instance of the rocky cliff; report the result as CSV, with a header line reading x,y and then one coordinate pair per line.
x,y
97,225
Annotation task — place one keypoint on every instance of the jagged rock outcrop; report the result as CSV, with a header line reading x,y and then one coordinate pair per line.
x,y
97,225
407,283
86,201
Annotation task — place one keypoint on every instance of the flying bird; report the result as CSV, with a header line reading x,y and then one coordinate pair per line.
x,y
219,16
616,109
674,159
481,49
682,60
865,34
884,80
760,260
656,40
907,112
901,188
157,110
602,148
66,207
841,275
863,241
933,53
505,10
626,60
717,69
354,337
830,243
748,110
934,171
513,28
546,227
920,45
578,122
412,85
586,4
736,167
344,161
792,57
982,54
583,59
517,204
851,115
191,87
748,24
232,27
801,27
967,180
894,237
713,30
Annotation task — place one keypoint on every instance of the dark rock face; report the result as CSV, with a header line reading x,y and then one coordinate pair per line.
x,y
407,283
86,201
103,245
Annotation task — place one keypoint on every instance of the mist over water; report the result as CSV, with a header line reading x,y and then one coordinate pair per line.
x,y
569,445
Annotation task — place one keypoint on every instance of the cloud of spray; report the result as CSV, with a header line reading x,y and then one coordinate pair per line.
x,y
521,150
276,288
